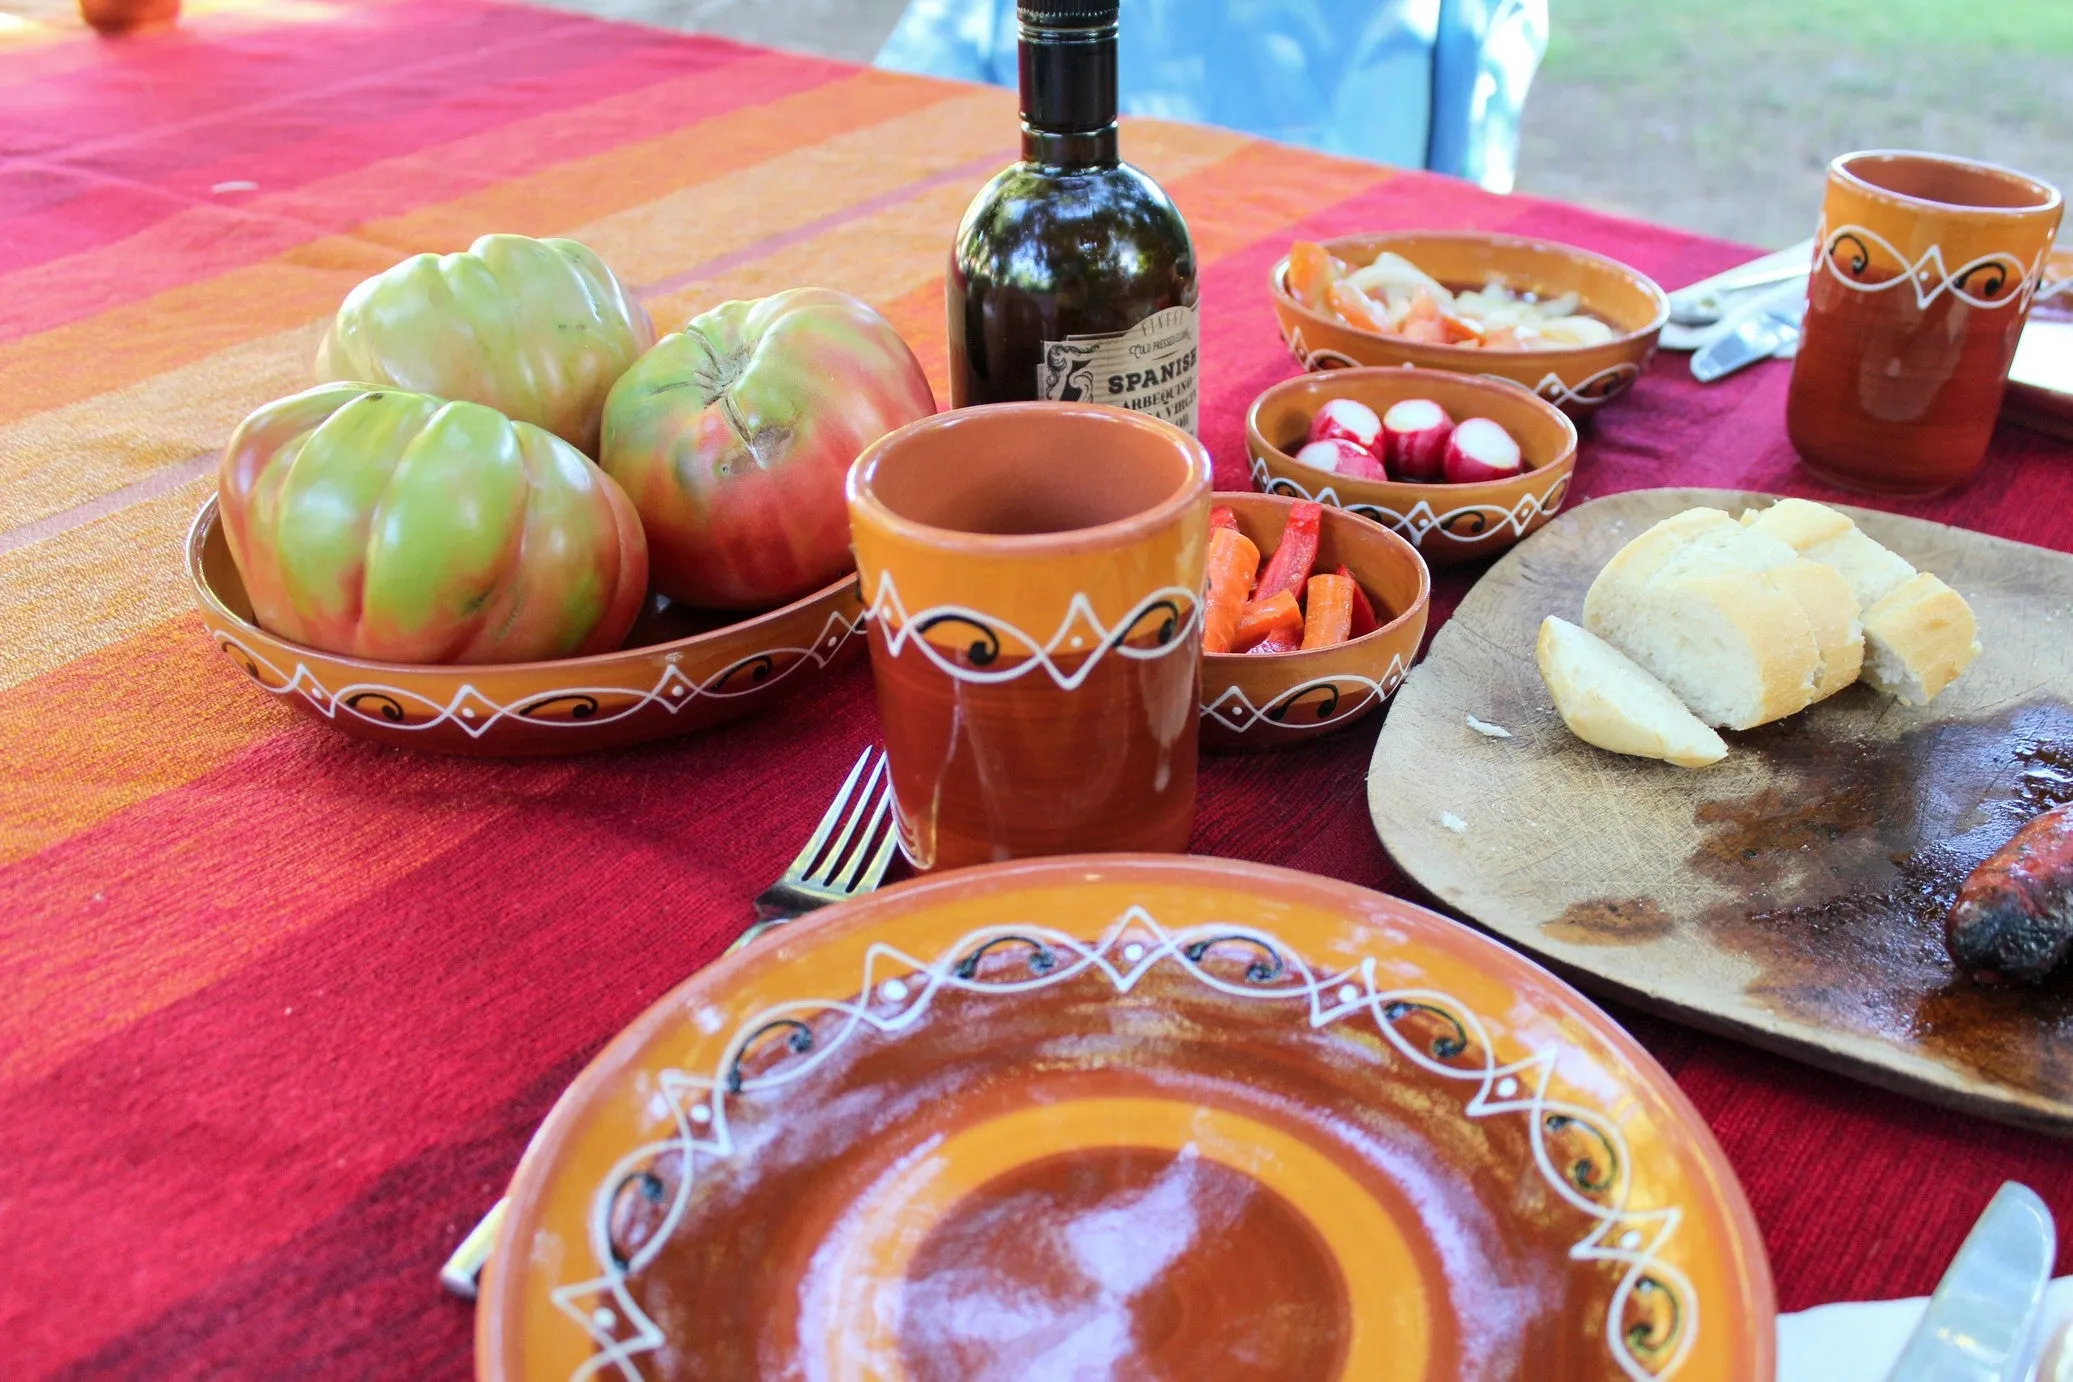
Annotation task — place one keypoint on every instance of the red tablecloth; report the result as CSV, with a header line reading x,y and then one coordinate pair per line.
x,y
280,1009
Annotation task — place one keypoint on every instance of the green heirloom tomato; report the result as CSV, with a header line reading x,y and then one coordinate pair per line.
x,y
392,526
537,329
733,438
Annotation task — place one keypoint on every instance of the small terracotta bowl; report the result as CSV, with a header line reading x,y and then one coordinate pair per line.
x,y
1577,379
677,673
1448,524
1253,702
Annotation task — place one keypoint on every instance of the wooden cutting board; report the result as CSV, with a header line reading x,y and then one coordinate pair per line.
x,y
1793,895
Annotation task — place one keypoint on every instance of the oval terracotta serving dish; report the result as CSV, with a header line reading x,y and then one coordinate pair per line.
x,y
1252,702
677,672
1446,523
1577,379
1125,1116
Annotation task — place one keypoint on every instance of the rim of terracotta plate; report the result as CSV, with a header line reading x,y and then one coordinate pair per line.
x,y
500,1309
206,516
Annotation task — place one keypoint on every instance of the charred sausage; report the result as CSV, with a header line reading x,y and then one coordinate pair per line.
x,y
2014,917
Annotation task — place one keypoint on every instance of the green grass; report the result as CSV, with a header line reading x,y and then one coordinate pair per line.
x,y
1609,38
1719,115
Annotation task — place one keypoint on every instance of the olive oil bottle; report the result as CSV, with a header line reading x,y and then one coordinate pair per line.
x,y
1072,276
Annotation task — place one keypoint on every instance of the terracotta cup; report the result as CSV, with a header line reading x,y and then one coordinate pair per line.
x,y
127,16
1924,270
1031,574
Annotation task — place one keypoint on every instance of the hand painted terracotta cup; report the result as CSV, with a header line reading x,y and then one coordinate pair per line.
x,y
1031,575
1924,270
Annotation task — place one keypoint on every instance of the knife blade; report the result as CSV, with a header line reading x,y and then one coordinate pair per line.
x,y
1757,331
1980,1324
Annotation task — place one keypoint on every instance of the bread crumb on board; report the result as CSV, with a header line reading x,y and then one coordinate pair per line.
x,y
1488,730
1453,822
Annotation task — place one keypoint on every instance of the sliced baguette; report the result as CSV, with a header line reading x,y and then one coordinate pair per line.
x,y
1612,596
1609,701
1921,635
1822,594
1737,650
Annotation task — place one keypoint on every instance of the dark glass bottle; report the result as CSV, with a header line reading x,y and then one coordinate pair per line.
x,y
1072,276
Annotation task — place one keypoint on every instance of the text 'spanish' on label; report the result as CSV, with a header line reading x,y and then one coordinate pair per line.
x,y
1150,368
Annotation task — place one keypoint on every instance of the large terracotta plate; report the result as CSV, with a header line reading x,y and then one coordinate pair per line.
x,y
1792,895
1125,1117
679,670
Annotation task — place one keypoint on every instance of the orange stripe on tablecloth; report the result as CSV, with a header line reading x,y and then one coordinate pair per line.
x,y
422,164
132,342
119,726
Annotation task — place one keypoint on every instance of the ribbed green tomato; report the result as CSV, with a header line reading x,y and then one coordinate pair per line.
x,y
733,438
540,330
393,526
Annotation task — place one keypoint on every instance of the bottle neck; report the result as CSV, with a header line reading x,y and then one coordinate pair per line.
x,y
1068,80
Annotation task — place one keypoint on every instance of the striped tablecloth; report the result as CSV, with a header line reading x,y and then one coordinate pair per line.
x,y
278,1010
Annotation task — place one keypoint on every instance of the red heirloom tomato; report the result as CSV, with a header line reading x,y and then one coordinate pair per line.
x,y
394,526
733,438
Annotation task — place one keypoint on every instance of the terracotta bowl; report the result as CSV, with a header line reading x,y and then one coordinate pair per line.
x,y
1164,1114
1446,523
677,673
1579,380
1252,703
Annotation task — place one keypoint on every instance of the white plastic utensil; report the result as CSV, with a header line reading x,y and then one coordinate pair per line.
x,y
1982,1322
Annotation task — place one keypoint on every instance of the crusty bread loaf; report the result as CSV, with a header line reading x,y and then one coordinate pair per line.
x,y
1738,651
1822,594
1826,599
1610,598
1607,700
1922,635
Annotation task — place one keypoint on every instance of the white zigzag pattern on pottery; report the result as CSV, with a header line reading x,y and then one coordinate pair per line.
x,y
1930,268
1079,614
476,713
890,1002
1234,710
1422,520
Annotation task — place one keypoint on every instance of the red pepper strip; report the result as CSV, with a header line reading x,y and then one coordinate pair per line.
x,y
1364,620
1222,517
1280,641
1289,568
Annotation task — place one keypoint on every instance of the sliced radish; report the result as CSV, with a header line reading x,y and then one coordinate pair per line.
x,y
1416,432
1342,457
1481,450
1348,420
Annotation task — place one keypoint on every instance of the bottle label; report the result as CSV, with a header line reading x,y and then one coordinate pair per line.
x,y
1150,368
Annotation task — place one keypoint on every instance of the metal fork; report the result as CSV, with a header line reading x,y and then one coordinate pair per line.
x,y
823,874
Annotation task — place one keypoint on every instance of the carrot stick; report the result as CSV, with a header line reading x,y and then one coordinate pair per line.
x,y
1285,641
1364,620
1260,619
1232,561
1330,617
1221,516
